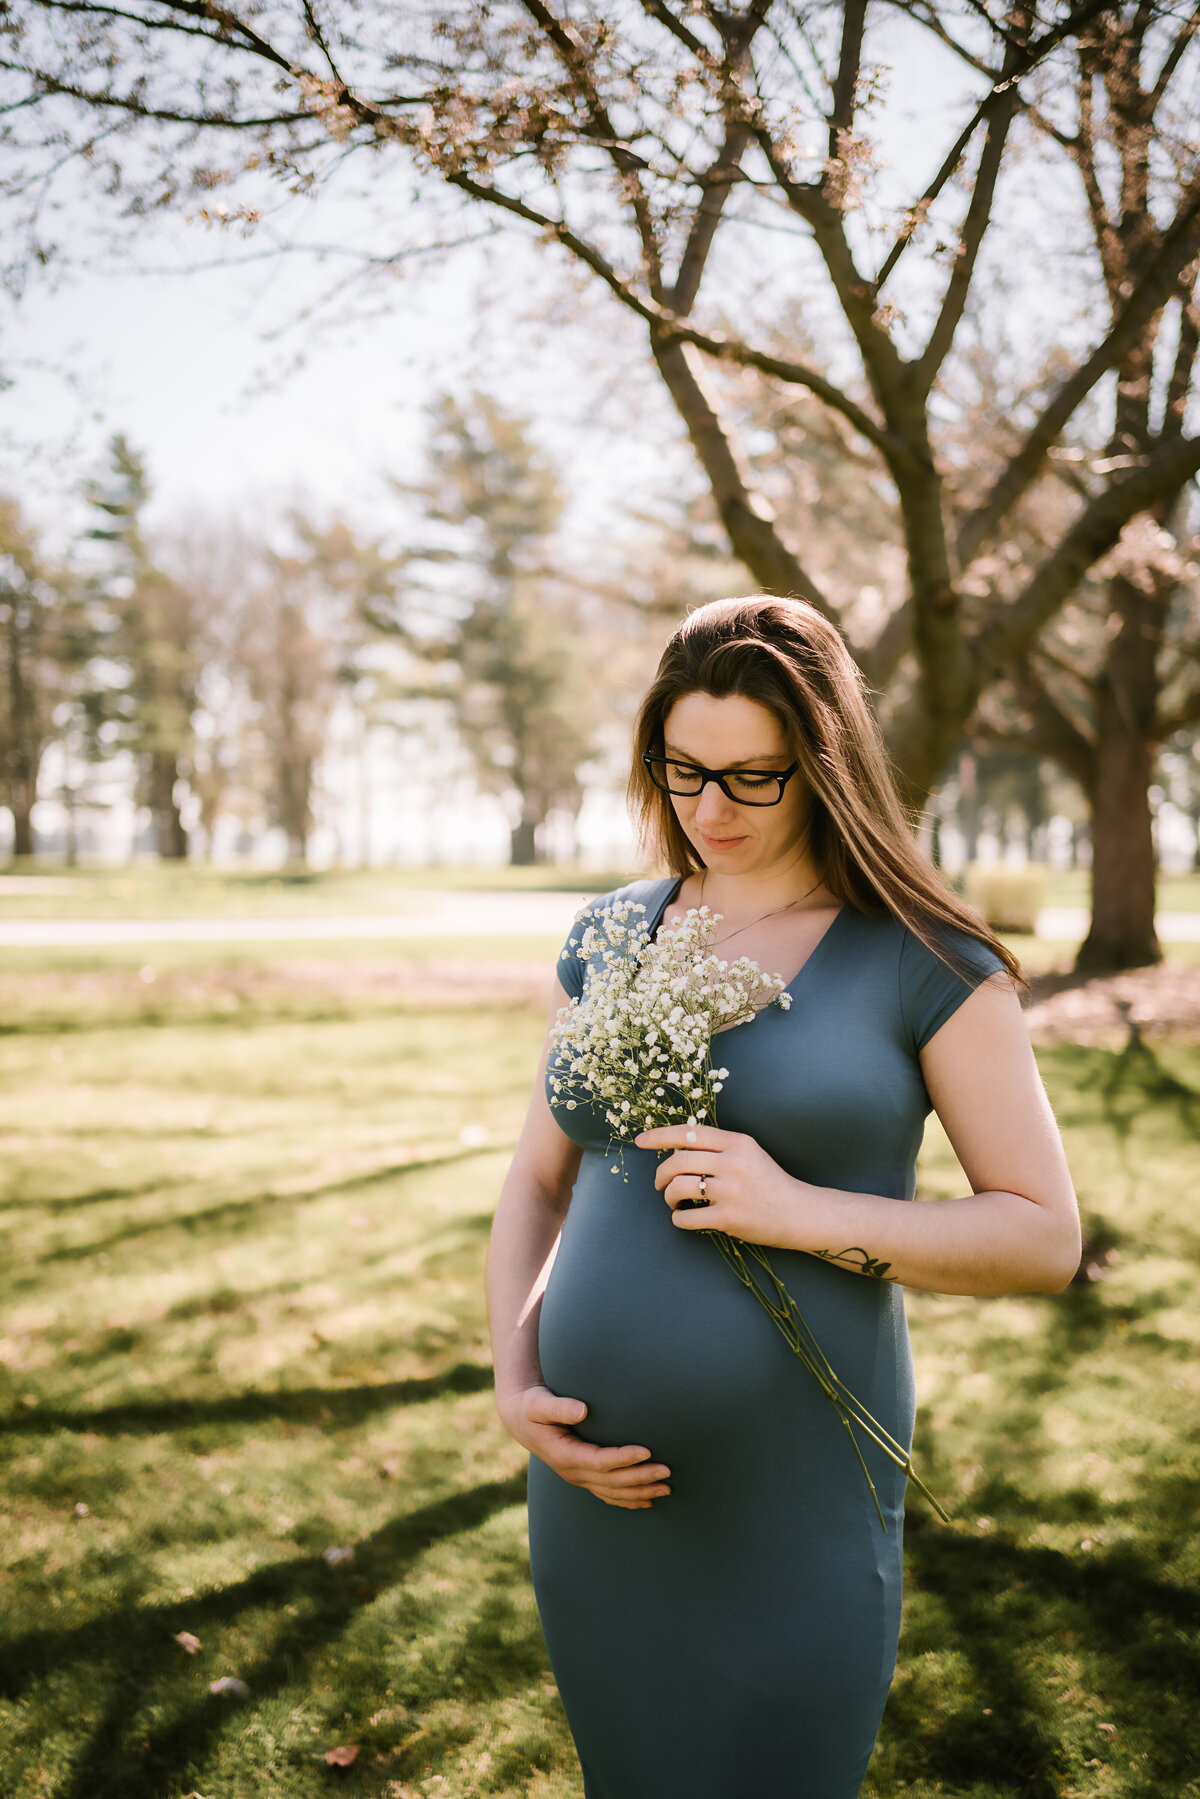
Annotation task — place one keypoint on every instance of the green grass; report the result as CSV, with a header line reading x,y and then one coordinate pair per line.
x,y
165,890
243,1325
148,889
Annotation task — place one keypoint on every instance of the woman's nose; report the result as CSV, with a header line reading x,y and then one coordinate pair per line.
x,y
713,805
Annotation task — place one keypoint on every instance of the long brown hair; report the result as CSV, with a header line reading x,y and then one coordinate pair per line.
x,y
785,656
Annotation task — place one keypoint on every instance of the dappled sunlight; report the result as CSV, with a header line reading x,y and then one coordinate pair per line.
x,y
247,1401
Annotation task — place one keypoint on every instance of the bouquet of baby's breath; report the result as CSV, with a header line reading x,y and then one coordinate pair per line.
x,y
639,1042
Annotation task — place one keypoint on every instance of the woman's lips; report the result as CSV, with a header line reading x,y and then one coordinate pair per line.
x,y
720,843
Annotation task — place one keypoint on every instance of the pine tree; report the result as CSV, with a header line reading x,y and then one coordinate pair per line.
x,y
482,606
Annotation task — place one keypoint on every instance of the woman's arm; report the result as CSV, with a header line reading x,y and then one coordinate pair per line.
x,y
1017,1231
529,1214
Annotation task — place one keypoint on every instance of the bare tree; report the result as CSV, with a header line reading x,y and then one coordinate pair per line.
x,y
1102,691
495,625
156,640
285,651
635,141
44,649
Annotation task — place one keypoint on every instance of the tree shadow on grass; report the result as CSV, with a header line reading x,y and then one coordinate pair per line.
x,y
1001,1597
73,1202
121,1758
240,1211
301,1405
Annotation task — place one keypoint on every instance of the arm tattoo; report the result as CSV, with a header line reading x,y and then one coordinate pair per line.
x,y
858,1259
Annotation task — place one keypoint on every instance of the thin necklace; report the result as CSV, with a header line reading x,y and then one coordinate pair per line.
x,y
745,927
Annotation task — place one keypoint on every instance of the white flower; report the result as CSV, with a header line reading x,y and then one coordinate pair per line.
x,y
640,1038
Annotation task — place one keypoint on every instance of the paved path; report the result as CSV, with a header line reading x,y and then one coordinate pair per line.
x,y
434,915
1070,923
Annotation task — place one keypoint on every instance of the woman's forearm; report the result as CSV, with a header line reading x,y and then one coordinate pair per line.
x,y
520,1254
988,1242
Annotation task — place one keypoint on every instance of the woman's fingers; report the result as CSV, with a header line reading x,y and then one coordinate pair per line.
x,y
623,1475
687,1136
544,1407
611,1467
685,1161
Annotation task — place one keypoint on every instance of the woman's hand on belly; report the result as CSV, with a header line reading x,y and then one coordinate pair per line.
x,y
543,1423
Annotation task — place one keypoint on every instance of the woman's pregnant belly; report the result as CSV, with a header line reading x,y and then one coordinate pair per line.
x,y
648,1325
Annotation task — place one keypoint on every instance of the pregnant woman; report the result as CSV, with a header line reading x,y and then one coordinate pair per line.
x,y
720,1601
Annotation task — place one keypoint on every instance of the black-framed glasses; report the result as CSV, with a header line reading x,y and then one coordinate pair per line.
x,y
744,786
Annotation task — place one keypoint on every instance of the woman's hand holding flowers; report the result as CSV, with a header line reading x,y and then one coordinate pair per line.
x,y
749,1196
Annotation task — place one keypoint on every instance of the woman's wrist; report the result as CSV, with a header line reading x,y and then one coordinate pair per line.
x,y
814,1216
511,1392
830,1226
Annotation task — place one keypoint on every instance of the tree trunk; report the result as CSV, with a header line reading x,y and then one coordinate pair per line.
x,y
170,838
22,795
523,848
1122,931
22,817
968,805
25,747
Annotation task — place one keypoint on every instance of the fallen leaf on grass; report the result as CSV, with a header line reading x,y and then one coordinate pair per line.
x,y
229,1687
339,1555
344,1756
187,1641
1107,1730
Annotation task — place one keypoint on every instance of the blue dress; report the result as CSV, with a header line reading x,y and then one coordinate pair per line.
x,y
739,1637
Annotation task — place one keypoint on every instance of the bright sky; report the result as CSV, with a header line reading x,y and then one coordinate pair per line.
x,y
185,365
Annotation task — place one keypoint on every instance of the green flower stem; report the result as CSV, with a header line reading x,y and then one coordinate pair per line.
x,y
804,1345
786,1315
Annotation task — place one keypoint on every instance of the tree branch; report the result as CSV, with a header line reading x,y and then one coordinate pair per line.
x,y
1166,470
750,529
880,660
573,57
656,9
1055,732
129,103
1002,105
845,84
1179,385
1183,713
1174,56
667,323
1178,247
915,214
229,27
716,185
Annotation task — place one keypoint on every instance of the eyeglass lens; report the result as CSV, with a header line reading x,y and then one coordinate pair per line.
x,y
749,787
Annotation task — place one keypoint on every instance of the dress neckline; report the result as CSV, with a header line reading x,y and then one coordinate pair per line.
x,y
812,955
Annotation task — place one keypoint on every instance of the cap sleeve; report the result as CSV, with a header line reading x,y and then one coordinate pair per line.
x,y
572,972
931,991
650,895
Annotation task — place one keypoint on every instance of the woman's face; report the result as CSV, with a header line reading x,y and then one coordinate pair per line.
x,y
734,732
